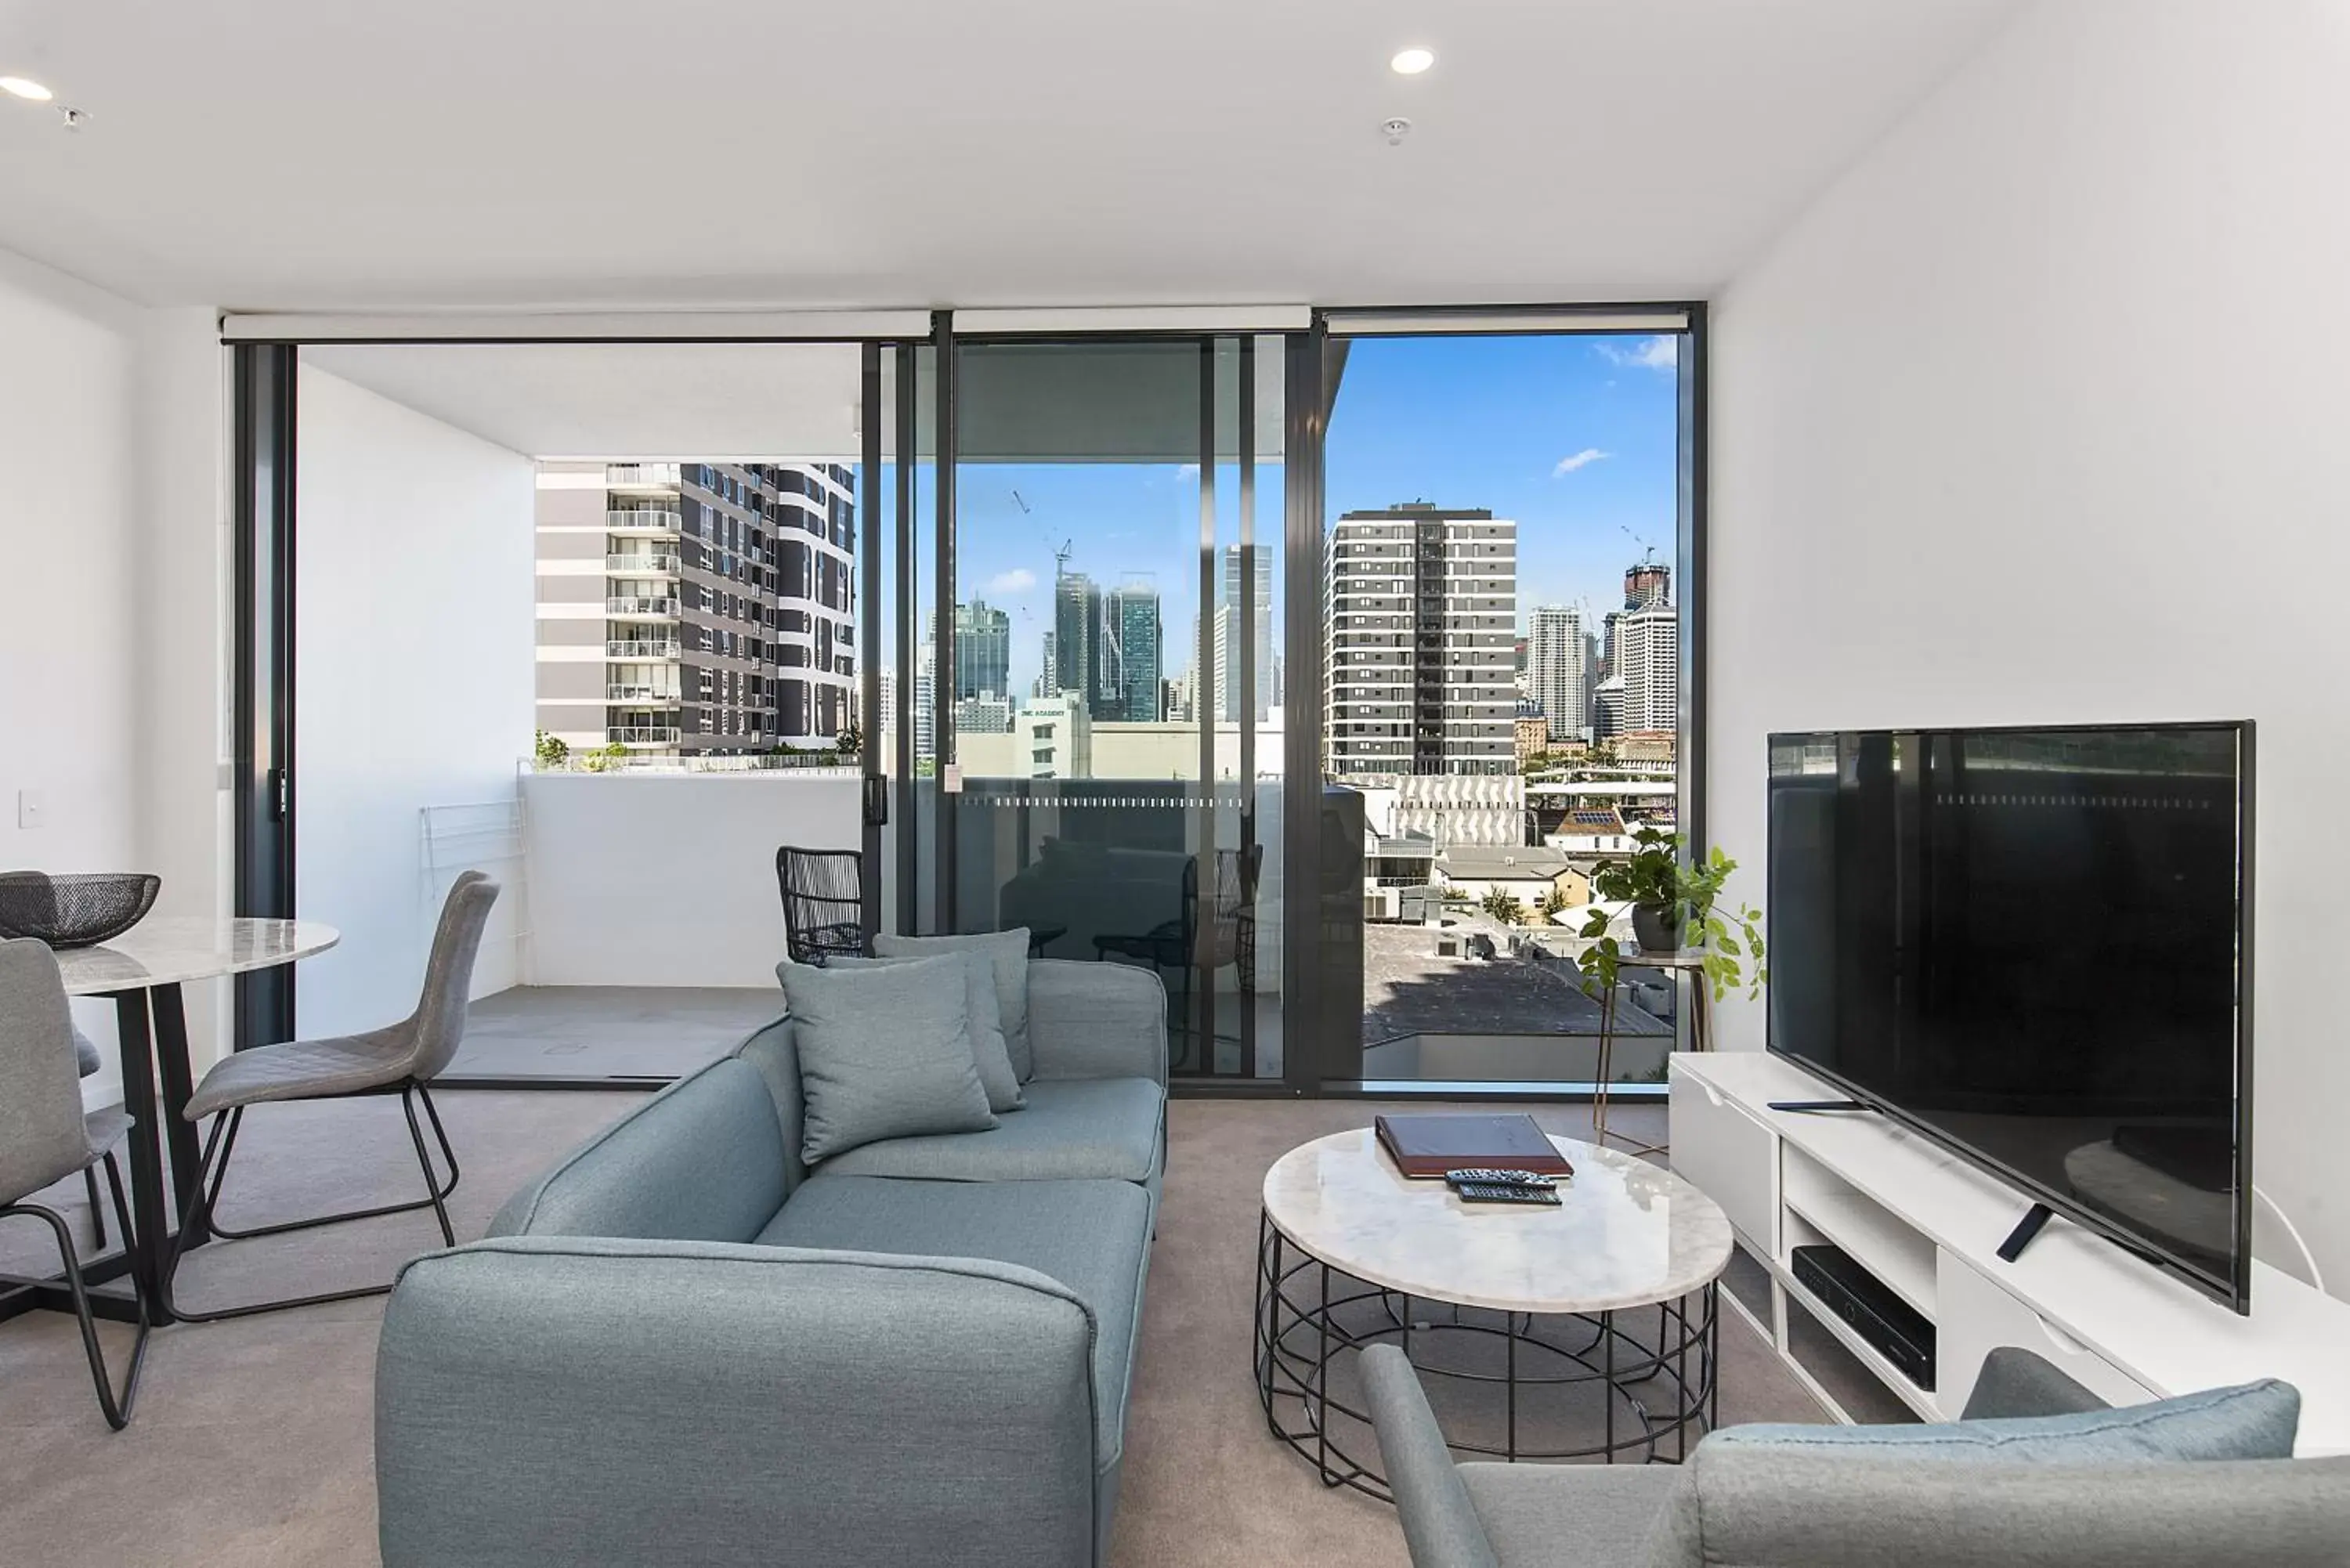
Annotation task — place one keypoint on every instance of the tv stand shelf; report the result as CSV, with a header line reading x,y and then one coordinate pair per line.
x,y
1929,1224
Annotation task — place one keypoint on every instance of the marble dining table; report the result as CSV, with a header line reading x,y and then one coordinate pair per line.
x,y
141,972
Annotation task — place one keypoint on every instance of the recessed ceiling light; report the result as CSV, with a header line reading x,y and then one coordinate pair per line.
x,y
1411,62
25,88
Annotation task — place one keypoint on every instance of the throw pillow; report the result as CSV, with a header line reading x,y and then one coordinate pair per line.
x,y
1008,951
2250,1421
987,1050
883,1053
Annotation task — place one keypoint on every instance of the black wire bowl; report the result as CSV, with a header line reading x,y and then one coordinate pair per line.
x,y
79,911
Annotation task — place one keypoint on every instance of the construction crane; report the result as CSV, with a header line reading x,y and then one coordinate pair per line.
x,y
1648,551
1025,508
1061,559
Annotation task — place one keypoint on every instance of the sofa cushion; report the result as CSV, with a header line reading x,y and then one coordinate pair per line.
x,y
1092,1236
1073,1128
988,1050
883,1053
1603,1519
2250,1421
1008,951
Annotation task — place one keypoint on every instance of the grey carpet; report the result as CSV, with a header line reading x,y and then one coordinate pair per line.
x,y
251,1445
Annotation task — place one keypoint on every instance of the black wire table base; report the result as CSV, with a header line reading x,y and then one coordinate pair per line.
x,y
1655,1369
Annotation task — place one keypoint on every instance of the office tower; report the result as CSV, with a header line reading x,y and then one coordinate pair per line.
x,y
1555,678
1647,662
1607,708
1647,583
1048,683
694,608
1133,621
1077,634
982,651
1421,610
1253,610
926,686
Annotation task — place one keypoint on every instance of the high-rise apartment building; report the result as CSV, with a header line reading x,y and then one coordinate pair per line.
x,y
1048,676
1648,662
1076,636
1419,617
1556,678
1134,629
982,651
696,608
1647,583
1252,610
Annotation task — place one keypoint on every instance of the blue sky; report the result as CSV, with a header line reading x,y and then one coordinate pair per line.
x,y
1574,437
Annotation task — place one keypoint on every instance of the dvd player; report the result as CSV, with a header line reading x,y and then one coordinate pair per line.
x,y
1887,1324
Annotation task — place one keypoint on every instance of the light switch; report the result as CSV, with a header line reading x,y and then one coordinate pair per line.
x,y
30,808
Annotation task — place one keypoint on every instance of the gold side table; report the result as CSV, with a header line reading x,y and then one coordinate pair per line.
x,y
1689,961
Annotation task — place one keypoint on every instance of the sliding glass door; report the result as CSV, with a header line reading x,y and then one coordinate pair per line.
x,y
1104,678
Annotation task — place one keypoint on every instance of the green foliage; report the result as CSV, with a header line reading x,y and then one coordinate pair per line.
x,y
1504,906
553,751
1655,875
1553,902
601,761
851,741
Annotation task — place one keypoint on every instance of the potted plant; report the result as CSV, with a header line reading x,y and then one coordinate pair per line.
x,y
1672,902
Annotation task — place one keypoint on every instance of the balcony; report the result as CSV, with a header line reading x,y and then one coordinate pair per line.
x,y
638,692
655,650
641,476
647,735
645,565
649,519
656,609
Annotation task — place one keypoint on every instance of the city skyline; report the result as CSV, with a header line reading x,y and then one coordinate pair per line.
x,y
1574,437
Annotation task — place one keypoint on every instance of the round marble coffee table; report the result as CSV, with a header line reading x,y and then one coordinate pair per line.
x,y
1607,1301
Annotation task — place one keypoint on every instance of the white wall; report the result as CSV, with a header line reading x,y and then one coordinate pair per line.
x,y
669,878
414,684
2039,415
70,532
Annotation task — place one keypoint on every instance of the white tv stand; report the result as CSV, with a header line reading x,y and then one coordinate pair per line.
x,y
1929,1224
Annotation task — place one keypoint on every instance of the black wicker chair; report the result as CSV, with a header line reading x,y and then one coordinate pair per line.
x,y
1208,935
824,903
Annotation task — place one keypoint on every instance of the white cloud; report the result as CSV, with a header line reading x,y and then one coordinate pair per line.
x,y
1018,580
1582,459
1187,471
1662,352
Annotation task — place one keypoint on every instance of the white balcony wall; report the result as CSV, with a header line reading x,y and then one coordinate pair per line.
x,y
413,686
2037,417
669,878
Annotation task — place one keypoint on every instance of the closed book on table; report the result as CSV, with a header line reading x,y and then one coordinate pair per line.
x,y
1426,1147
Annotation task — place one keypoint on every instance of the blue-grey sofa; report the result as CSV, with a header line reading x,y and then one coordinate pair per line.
x,y
1836,1504
681,1346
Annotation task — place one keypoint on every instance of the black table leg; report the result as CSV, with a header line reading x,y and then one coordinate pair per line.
x,y
145,1245
178,1133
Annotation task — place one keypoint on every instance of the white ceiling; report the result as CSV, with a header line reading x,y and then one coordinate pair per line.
x,y
696,400
349,153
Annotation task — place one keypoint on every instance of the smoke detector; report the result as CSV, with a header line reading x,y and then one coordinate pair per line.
x,y
1395,130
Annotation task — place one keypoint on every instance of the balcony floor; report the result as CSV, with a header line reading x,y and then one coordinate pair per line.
x,y
253,1444
608,1031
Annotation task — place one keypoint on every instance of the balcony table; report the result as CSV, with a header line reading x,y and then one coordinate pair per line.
x,y
141,972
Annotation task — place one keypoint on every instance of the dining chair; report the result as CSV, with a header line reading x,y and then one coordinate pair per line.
x,y
45,1137
824,903
89,1064
400,1059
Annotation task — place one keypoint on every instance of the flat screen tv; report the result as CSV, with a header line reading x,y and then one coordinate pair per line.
x,y
2034,946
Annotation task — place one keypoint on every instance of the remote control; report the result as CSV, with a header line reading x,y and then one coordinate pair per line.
x,y
1504,1192
1526,1178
